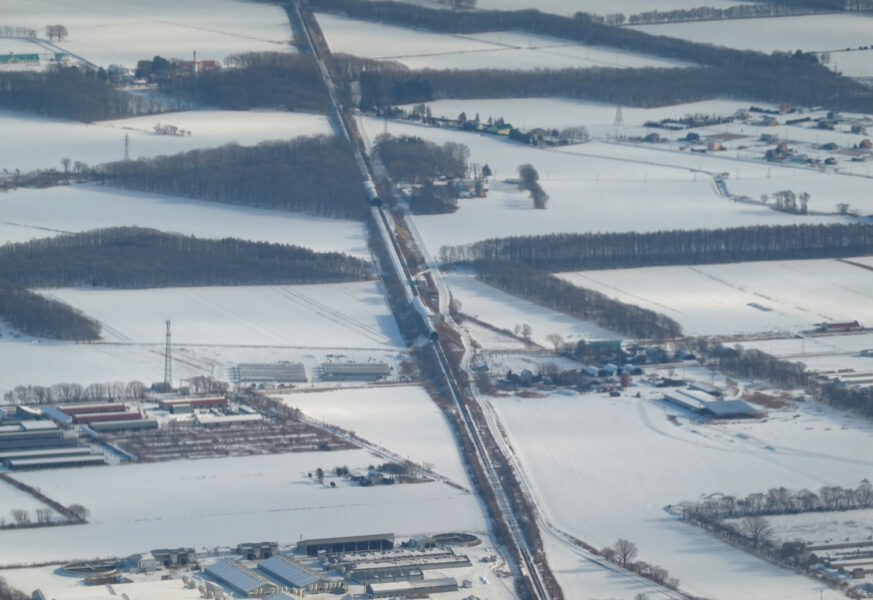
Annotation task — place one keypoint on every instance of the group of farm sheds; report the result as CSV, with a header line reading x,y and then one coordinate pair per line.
x,y
27,442
272,574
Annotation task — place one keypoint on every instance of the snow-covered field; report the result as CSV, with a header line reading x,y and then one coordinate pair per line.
x,y
743,298
826,190
820,33
506,311
603,468
214,328
12,498
225,501
402,419
41,142
601,7
352,315
597,117
122,32
36,213
822,528
491,50
831,355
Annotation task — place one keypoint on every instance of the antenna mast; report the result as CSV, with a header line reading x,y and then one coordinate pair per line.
x,y
168,361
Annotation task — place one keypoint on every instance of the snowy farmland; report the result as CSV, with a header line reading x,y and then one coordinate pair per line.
x,y
122,32
36,213
490,50
214,328
596,187
602,468
505,311
743,298
822,528
597,117
568,8
834,356
402,419
352,315
225,501
41,142
819,33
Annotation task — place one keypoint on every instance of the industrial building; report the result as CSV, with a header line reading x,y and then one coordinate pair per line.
x,y
241,579
412,588
355,543
45,453
89,460
87,418
395,565
213,420
298,578
350,371
175,557
708,406
124,425
257,550
19,440
282,372
212,402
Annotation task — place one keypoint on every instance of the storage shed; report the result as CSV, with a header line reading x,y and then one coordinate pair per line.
x,y
412,588
241,579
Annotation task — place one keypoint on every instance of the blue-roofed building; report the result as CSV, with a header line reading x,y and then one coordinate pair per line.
x,y
729,409
241,579
296,577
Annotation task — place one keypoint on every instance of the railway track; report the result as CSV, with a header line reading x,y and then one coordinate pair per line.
x,y
526,566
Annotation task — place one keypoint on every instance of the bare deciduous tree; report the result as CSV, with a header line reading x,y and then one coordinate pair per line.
x,y
555,339
757,529
20,516
43,515
625,551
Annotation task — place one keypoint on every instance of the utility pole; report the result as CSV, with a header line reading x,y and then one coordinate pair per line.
x,y
126,146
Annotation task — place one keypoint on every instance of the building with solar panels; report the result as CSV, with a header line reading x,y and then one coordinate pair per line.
x,y
298,578
241,579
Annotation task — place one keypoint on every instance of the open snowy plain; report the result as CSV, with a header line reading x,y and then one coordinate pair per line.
x,y
121,32
602,468
38,213
41,142
783,297
489,50
214,502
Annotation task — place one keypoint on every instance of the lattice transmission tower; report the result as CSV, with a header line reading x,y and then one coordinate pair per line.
x,y
168,361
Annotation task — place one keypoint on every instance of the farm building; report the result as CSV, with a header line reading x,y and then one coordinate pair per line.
x,y
45,453
75,409
19,59
708,406
257,550
382,541
214,402
87,460
85,418
412,588
282,372
144,562
394,565
840,327
19,440
298,578
211,420
124,425
241,579
368,371
175,557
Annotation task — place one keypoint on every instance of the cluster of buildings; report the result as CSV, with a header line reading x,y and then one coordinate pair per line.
x,y
708,406
105,416
28,441
368,560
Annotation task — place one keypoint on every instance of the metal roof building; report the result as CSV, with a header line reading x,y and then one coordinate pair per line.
x,y
124,425
241,579
352,543
45,453
279,372
21,464
412,588
369,371
729,409
296,577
